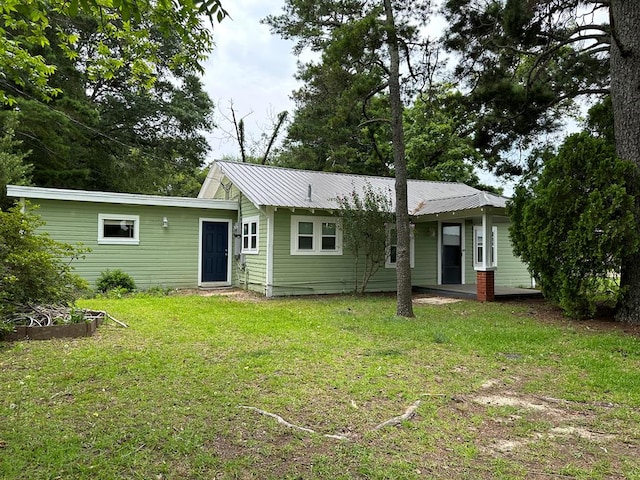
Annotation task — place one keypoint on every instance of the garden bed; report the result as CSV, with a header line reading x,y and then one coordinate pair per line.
x,y
70,330
47,322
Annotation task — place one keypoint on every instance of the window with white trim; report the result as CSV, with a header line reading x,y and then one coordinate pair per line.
x,y
250,229
392,247
478,246
315,235
116,229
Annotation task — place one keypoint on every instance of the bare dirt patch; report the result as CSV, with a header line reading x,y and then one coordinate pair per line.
x,y
532,430
229,292
545,312
435,300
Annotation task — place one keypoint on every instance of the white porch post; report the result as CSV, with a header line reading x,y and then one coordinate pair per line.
x,y
487,228
485,271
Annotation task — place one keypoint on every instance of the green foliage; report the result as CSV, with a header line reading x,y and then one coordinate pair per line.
x,y
341,122
115,280
76,315
29,28
111,133
342,117
574,222
13,170
438,146
33,267
366,219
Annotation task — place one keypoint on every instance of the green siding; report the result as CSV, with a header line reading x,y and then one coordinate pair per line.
x,y
426,254
319,274
511,272
170,256
165,256
250,270
305,274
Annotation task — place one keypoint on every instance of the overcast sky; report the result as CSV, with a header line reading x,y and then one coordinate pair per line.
x,y
255,70
250,67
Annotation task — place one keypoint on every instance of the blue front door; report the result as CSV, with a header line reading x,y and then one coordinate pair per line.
x,y
215,251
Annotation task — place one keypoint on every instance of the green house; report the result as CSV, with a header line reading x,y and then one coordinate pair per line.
x,y
275,231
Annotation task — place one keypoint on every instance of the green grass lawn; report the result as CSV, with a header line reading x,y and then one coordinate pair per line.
x,y
503,394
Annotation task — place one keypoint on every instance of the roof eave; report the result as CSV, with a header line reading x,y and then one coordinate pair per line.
x,y
42,193
463,213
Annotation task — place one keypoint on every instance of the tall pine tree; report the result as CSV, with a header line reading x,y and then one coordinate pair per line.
x,y
526,61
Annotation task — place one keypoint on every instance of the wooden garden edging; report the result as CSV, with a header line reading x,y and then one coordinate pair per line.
x,y
70,330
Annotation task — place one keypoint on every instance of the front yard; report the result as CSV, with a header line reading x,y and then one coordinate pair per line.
x,y
503,391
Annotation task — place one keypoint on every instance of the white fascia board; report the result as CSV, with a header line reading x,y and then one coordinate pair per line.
x,y
118,198
212,182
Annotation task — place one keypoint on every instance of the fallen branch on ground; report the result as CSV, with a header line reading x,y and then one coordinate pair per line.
x,y
289,424
408,414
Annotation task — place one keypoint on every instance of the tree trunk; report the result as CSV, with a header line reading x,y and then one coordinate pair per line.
x,y
625,95
403,243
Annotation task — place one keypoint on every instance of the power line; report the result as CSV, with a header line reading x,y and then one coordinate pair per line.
x,y
69,117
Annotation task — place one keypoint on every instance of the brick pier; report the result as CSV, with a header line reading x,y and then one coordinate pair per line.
x,y
486,285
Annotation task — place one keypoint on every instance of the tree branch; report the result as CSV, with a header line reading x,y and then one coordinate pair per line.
x,y
282,421
408,414
373,120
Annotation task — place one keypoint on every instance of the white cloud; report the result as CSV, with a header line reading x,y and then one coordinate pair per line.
x,y
250,67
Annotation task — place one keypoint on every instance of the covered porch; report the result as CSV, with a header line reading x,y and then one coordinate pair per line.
x,y
474,253
470,291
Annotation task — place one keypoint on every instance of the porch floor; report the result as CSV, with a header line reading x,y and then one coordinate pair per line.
x,y
469,291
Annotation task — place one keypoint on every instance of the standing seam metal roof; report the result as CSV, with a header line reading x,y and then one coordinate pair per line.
x,y
285,187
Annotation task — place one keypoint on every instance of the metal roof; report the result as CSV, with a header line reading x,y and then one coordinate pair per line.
x,y
466,202
285,187
18,191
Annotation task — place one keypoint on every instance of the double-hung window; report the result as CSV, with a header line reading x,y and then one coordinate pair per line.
x,y
479,245
250,228
116,229
392,247
315,236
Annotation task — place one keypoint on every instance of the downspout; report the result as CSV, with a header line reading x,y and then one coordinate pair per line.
x,y
268,212
240,266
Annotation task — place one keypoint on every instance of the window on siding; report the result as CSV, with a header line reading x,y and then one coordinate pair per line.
x,y
329,236
479,244
315,236
305,236
118,229
250,228
392,247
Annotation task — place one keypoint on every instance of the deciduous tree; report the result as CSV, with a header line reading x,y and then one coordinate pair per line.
x,y
13,168
106,130
366,220
26,26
